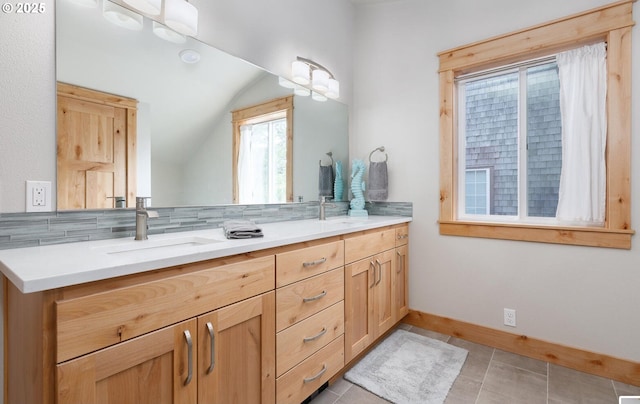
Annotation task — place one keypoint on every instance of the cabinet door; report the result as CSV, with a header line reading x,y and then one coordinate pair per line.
x,y
358,301
383,292
236,360
156,368
401,283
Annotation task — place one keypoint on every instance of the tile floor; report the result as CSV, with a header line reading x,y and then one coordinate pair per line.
x,y
492,376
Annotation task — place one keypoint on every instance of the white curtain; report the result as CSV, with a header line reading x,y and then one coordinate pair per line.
x,y
245,179
583,92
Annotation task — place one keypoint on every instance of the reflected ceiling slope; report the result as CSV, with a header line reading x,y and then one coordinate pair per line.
x,y
140,65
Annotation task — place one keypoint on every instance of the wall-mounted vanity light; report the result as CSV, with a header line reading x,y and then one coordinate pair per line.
x,y
305,71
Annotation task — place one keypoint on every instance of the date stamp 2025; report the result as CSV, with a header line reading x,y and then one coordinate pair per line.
x,y
23,8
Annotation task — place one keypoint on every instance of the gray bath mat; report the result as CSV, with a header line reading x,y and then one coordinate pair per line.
x,y
408,368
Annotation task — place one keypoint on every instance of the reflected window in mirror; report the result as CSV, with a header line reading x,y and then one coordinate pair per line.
x,y
263,152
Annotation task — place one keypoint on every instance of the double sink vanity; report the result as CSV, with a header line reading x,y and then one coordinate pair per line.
x,y
193,317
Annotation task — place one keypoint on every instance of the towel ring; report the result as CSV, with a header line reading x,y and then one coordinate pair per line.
x,y
381,149
330,154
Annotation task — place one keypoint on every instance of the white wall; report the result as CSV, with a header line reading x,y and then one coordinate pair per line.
x,y
577,296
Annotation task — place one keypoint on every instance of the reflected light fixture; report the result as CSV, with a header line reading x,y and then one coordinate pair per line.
x,y
305,71
301,91
318,97
151,7
167,33
121,16
181,16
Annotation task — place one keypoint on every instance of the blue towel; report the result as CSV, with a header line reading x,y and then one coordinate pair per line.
x,y
378,186
325,183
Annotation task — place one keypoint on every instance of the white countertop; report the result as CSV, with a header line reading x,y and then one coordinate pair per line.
x,y
36,269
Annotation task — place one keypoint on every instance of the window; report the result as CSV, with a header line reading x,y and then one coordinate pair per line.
x,y
477,192
509,121
521,201
262,153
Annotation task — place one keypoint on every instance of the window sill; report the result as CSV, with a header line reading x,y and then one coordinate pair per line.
x,y
582,236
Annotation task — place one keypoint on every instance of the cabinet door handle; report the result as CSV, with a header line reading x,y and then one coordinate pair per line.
x,y
400,262
373,283
187,336
316,262
316,297
315,337
213,347
379,271
320,373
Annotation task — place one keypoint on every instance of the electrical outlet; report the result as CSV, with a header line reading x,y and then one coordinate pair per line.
x,y
510,317
38,196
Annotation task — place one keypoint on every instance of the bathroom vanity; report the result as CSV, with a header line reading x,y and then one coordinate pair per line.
x,y
195,318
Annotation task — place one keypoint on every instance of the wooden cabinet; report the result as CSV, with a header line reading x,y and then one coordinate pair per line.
x,y
236,355
150,337
266,327
375,287
309,319
155,368
401,275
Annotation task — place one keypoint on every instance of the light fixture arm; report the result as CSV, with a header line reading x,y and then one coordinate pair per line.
x,y
315,65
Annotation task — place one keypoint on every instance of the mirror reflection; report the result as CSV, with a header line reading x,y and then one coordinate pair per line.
x,y
183,116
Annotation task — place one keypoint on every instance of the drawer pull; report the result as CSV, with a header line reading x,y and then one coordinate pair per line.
x,y
379,271
315,337
402,236
320,373
316,262
187,336
213,347
316,297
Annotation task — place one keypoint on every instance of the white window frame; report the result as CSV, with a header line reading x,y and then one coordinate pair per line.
x,y
523,205
463,190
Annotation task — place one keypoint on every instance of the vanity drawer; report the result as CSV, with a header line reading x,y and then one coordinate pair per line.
x,y
306,262
298,383
306,337
402,235
366,245
302,299
88,323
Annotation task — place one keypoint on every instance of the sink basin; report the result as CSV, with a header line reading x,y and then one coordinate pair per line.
x,y
164,245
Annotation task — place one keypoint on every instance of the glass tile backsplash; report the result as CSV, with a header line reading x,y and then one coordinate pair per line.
x,y
19,230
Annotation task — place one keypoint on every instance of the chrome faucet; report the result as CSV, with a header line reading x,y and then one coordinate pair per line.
x,y
142,214
323,205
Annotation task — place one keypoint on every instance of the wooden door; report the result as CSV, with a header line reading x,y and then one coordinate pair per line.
x,y
401,284
383,292
242,368
96,136
151,369
359,308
